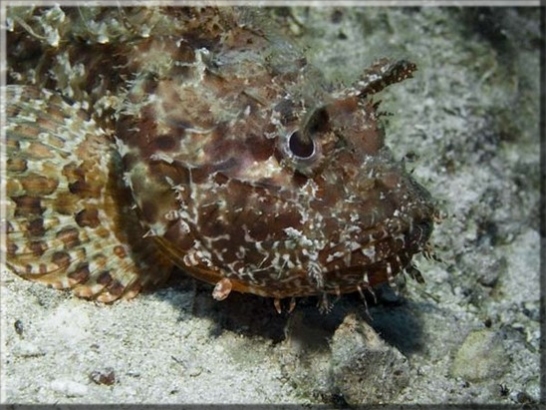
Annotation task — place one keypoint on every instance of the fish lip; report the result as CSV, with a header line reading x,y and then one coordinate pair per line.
x,y
364,273
414,237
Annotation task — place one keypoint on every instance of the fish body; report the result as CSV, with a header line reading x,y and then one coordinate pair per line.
x,y
197,137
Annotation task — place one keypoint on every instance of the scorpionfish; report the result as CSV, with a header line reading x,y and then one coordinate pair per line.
x,y
139,139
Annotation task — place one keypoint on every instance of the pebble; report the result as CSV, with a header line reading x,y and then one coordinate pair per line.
x,y
69,388
364,368
480,357
195,371
27,349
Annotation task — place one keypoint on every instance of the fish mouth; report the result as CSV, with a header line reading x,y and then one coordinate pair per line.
x,y
376,258
379,256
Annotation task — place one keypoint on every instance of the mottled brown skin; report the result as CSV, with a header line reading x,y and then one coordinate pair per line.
x,y
248,170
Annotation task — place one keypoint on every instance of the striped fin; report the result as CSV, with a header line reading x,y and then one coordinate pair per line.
x,y
69,219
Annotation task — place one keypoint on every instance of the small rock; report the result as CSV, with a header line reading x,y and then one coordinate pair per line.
x,y
27,349
521,397
106,377
194,371
488,265
364,368
69,388
490,269
480,357
19,327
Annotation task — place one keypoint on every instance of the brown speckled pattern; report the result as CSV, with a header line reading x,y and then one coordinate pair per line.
x,y
138,138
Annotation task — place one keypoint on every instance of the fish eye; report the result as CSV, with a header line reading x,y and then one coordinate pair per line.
x,y
300,146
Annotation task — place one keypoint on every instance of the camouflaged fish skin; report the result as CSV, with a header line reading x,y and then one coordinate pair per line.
x,y
141,138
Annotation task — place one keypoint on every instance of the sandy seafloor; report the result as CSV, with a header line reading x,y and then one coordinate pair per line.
x,y
467,126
